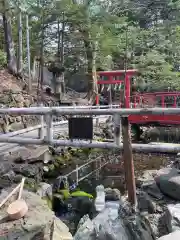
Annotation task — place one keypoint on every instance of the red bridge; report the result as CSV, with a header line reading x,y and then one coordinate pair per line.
x,y
122,79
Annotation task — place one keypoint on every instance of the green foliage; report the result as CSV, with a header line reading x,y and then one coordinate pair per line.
x,y
147,34
156,72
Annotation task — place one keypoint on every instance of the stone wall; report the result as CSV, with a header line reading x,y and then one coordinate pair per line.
x,y
10,98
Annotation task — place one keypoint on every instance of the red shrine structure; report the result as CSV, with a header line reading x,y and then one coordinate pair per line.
x,y
141,100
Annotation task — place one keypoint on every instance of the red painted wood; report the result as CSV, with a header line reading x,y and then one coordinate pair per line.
x,y
162,120
127,89
130,72
110,81
156,99
151,100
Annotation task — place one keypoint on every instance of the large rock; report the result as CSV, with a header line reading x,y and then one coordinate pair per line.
x,y
151,188
168,180
27,155
174,210
112,194
124,227
161,222
145,203
39,223
171,236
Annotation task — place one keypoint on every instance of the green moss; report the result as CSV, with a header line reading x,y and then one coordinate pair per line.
x,y
86,151
100,139
81,194
65,193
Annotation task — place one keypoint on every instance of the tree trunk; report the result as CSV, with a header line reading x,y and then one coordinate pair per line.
x,y
40,87
89,54
58,87
62,53
34,69
60,84
94,74
20,57
28,54
11,58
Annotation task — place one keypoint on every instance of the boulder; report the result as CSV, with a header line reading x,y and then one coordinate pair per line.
x,y
39,223
27,170
44,190
147,176
160,222
174,210
145,204
5,167
124,227
112,194
174,235
151,188
168,180
27,155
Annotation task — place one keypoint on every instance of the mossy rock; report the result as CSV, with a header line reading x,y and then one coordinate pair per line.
x,y
63,159
51,167
31,185
12,104
48,201
86,151
100,139
67,156
59,159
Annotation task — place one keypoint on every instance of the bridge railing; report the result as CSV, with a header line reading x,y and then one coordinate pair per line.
x,y
48,112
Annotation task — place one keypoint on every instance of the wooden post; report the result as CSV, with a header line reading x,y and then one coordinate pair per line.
x,y
128,161
117,129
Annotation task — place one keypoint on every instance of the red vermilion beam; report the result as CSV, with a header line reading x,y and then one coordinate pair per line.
x,y
110,81
130,72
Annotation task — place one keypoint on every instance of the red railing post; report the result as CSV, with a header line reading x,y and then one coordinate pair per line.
x,y
162,102
127,90
175,97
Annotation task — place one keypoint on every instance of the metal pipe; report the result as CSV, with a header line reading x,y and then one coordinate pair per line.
x,y
49,136
78,111
22,140
41,132
145,148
